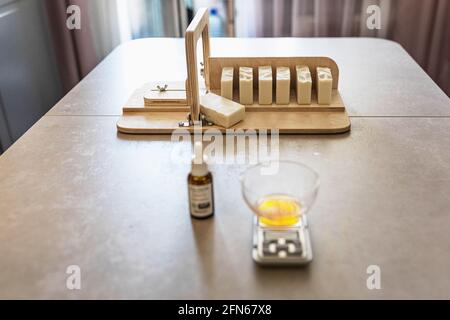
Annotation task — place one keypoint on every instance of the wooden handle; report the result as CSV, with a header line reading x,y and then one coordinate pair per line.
x,y
199,27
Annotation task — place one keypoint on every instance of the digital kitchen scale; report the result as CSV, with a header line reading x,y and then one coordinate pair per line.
x,y
289,246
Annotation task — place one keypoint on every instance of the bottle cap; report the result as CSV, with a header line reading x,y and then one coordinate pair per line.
x,y
199,161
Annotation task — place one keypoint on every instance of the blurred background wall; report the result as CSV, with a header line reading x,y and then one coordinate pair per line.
x,y
41,59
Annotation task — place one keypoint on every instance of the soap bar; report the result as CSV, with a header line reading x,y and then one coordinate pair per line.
x,y
265,85
226,89
221,111
304,85
324,85
283,85
246,85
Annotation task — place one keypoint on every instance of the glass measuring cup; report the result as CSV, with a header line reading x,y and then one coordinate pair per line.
x,y
282,198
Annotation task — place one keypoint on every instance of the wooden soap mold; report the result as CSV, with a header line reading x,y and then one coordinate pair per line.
x,y
138,118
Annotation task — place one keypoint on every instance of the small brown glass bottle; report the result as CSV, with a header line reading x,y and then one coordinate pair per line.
x,y
200,184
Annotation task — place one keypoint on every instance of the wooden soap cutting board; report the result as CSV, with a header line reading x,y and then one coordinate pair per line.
x,y
139,118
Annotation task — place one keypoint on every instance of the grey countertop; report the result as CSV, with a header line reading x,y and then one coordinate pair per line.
x,y
75,192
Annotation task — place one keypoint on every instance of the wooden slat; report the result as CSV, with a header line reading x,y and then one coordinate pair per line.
x,y
198,28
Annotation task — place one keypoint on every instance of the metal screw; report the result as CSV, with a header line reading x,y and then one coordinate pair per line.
x,y
162,89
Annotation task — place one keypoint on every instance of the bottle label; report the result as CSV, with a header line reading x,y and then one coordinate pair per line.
x,y
201,200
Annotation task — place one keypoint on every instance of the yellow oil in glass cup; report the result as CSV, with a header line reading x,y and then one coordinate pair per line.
x,y
279,210
279,197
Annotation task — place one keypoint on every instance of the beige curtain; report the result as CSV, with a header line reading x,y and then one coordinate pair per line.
x,y
421,27
105,25
74,51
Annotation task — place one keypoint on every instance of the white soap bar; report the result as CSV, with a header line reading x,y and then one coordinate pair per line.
x,y
283,85
304,85
246,85
226,89
265,85
324,85
221,111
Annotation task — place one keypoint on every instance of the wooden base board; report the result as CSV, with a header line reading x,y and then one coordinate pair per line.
x,y
288,119
285,122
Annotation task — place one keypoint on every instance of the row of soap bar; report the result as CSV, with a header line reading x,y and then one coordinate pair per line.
x,y
283,85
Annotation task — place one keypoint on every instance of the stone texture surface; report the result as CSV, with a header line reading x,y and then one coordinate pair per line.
x,y
74,192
